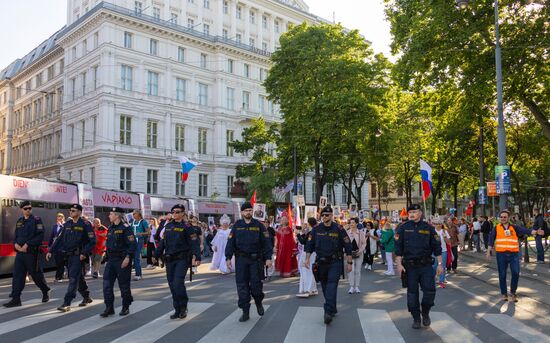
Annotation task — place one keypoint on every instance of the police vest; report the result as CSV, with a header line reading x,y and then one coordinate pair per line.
x,y
504,243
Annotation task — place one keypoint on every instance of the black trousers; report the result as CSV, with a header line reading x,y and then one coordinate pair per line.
x,y
59,265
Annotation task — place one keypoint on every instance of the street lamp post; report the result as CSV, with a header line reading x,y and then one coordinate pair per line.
x,y
501,134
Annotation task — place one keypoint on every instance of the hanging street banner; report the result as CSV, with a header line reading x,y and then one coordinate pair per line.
x,y
482,195
502,177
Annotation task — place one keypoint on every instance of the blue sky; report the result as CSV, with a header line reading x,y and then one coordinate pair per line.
x,y
24,24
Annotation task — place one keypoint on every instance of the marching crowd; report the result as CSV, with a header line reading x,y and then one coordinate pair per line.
x,y
178,240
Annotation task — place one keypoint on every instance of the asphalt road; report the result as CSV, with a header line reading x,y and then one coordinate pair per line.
x,y
468,310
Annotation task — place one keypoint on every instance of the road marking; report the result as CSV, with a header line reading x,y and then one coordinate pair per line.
x,y
39,317
187,288
230,330
161,326
87,325
378,326
307,326
450,330
26,304
515,328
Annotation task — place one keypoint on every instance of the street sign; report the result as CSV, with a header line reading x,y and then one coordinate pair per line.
x,y
492,189
502,177
482,195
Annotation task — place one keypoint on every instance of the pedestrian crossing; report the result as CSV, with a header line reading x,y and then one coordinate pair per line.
x,y
305,324
26,304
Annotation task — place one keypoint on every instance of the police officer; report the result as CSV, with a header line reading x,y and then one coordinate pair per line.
x,y
121,246
181,250
330,243
415,243
29,234
75,242
249,241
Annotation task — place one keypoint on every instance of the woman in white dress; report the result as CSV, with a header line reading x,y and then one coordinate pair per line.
x,y
308,285
218,246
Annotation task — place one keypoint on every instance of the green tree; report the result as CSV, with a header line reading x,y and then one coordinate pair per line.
x,y
330,86
440,43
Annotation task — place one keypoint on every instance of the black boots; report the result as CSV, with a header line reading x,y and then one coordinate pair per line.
x,y
13,303
245,316
182,313
327,318
416,324
109,311
426,318
46,296
65,307
260,309
125,311
87,300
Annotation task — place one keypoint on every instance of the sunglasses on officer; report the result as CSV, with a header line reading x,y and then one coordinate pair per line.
x,y
27,208
326,214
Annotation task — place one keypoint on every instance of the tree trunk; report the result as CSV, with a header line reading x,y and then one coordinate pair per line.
x,y
537,112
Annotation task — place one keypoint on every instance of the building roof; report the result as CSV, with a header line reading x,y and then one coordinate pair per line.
x,y
20,64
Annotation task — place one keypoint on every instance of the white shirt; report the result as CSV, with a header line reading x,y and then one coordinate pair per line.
x,y
442,233
477,226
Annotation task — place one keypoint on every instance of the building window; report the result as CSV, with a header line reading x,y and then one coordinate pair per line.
x,y
156,13
152,83
203,185
181,54
84,47
71,136
264,22
125,179
73,88
190,23
152,133
174,18
61,66
246,70
400,191
264,46
373,190
206,3
230,63
202,140
180,137
239,13
277,27
80,174
82,133
126,77
230,98
180,185
125,130
252,17
96,40
92,176
238,37
138,7
203,94
246,100
94,128
39,80
83,83
230,180
73,53
261,103
203,61
230,134
226,7
50,73
313,190
127,40
153,46
344,195
385,191
181,88
225,34
251,41
206,29
330,193
94,78
152,181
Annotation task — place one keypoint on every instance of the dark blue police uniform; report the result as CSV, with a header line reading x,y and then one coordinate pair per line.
x,y
416,243
28,231
76,238
120,243
329,243
251,245
179,244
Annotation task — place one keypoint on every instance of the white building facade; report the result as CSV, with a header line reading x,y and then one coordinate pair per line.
x,y
128,86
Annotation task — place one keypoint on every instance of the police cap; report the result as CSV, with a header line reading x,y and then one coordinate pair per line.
x,y
117,210
76,207
327,210
25,203
247,205
414,207
178,207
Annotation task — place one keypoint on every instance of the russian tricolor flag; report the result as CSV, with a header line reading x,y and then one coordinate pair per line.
x,y
186,166
426,173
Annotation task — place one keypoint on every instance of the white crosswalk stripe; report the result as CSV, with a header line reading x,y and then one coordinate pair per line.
x,y
450,330
26,304
307,326
378,326
23,322
87,325
516,329
228,332
162,326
